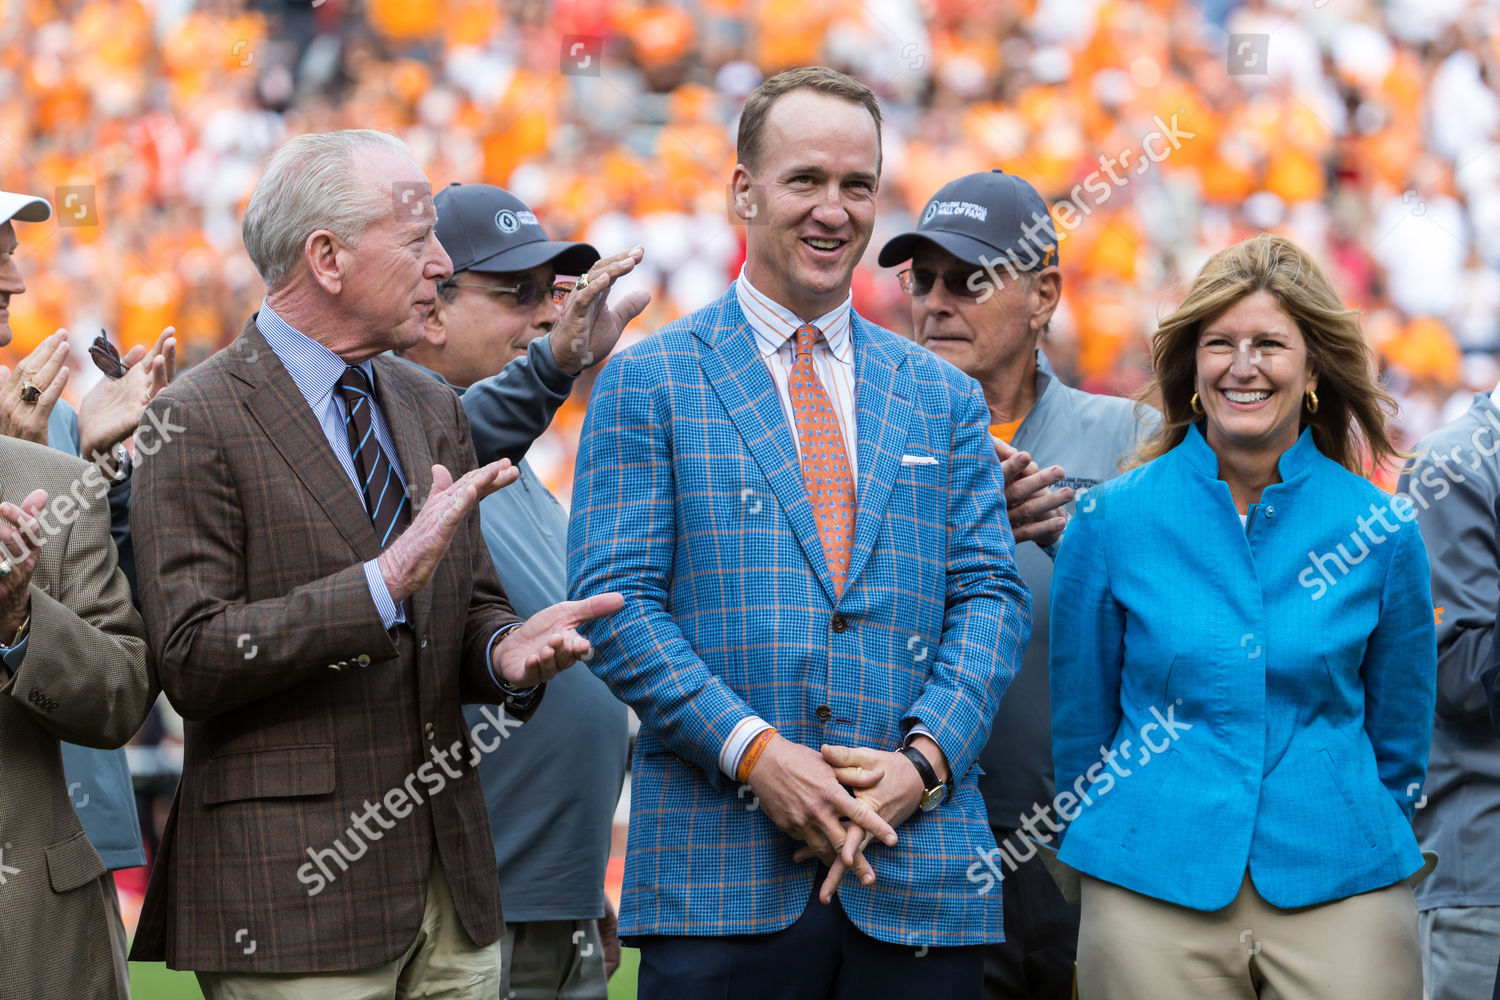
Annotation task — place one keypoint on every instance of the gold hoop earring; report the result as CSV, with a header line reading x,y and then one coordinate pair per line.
x,y
1194,405
1312,401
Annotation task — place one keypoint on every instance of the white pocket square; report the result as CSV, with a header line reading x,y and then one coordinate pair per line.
x,y
918,460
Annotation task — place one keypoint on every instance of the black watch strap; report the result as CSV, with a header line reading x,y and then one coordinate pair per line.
x,y
923,766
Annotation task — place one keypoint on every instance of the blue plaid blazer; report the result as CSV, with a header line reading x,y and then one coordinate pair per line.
x,y
688,498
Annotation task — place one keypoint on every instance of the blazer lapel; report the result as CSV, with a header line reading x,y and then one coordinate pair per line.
x,y
275,403
734,368
413,454
882,401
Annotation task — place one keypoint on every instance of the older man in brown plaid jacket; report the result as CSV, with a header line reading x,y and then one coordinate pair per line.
x,y
329,836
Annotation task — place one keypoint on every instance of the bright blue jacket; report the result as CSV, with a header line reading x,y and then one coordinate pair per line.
x,y
1229,697
688,498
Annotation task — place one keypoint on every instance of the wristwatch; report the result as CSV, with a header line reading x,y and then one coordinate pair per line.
x,y
933,790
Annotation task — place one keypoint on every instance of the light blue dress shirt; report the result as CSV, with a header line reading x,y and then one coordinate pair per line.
x,y
316,370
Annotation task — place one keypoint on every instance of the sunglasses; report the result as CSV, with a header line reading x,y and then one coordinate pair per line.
x,y
107,357
959,282
527,293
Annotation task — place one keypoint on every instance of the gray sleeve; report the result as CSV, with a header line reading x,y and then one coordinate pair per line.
x,y
1456,514
511,409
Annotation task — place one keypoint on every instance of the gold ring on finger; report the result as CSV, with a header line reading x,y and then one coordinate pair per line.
x,y
583,283
5,568
29,392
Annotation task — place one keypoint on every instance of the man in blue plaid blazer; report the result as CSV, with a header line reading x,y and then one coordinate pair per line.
x,y
804,696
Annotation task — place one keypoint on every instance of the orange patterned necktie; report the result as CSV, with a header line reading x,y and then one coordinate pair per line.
x,y
825,462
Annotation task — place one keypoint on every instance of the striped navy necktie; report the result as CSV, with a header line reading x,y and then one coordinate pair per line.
x,y
385,499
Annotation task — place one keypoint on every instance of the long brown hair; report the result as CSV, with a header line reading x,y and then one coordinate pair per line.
x,y
1350,425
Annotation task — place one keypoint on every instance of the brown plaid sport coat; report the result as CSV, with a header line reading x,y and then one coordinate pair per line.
x,y
305,714
84,678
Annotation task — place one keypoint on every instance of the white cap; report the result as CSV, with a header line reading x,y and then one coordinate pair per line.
x,y
25,207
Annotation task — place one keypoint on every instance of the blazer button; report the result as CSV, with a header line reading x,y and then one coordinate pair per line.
x,y
839,623
824,713
424,642
430,731
363,659
334,666
1270,511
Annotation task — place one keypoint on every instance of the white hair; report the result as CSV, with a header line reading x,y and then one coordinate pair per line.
x,y
309,184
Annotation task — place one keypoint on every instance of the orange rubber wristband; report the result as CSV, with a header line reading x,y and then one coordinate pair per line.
x,y
752,754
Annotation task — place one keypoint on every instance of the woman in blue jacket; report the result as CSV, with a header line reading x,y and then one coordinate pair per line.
x,y
1242,664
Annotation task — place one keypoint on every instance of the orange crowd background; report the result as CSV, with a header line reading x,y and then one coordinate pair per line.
x,y
1363,130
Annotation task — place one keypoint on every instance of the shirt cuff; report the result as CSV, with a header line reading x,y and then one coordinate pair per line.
x,y
740,738
390,612
13,655
917,729
520,694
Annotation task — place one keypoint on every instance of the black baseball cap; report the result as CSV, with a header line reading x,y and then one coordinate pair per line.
x,y
485,228
983,218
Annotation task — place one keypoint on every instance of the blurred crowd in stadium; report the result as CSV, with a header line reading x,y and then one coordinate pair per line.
x,y
1364,131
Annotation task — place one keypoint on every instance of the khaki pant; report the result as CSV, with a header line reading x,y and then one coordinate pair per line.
x,y
441,964
1133,947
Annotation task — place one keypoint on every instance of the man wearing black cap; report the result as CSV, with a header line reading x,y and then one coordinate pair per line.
x,y
551,788
984,283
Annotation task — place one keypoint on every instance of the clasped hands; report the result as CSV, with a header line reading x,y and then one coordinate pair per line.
x,y
548,642
838,800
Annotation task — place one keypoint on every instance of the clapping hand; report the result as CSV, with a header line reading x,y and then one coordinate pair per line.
x,y
19,541
548,643
28,394
587,331
113,408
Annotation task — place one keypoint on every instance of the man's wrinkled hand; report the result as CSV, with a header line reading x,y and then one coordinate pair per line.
x,y
548,642
586,331
20,539
113,408
1034,508
801,793
43,368
409,562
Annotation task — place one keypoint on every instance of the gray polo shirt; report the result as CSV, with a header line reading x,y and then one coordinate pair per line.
x,y
1453,484
551,786
1087,435
98,780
